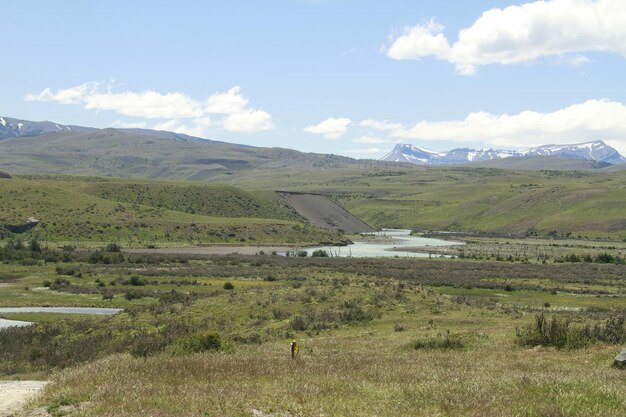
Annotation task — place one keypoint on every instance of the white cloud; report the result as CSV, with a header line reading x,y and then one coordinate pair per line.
x,y
522,34
591,120
365,151
129,125
226,103
369,139
73,95
148,104
380,125
248,121
419,41
331,128
177,111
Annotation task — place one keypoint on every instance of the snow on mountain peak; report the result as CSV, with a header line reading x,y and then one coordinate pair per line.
x,y
592,150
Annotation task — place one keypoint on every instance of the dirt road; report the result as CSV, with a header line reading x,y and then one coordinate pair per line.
x,y
13,394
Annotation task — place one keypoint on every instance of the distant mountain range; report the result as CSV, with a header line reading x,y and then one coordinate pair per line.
x,y
28,147
16,128
597,151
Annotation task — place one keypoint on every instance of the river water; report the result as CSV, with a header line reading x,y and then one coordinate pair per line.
x,y
387,243
4,323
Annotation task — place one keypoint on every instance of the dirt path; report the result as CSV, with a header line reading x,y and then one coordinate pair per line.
x,y
13,394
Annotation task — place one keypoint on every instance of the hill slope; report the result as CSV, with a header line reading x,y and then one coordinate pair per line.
x,y
143,212
141,153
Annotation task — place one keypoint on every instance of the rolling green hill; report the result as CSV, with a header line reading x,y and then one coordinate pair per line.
x,y
473,200
73,209
521,200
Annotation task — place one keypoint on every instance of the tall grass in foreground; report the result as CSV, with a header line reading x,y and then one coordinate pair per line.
x,y
355,375
561,333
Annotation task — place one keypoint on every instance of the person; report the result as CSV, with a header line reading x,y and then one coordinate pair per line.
x,y
294,349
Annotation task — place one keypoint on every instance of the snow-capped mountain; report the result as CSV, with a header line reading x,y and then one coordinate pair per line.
x,y
15,128
412,154
594,151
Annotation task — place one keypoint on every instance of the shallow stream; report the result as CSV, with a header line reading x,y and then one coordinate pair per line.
x,y
387,243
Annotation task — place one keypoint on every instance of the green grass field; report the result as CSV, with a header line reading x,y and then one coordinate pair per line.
x,y
358,322
139,213
471,200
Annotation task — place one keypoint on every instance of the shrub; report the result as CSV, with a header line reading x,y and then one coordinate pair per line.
x,y
319,253
201,342
136,281
301,254
34,246
229,286
443,341
101,257
561,333
146,344
132,295
113,247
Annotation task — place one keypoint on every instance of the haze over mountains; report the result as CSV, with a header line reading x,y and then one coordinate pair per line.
x,y
597,151
28,147
52,148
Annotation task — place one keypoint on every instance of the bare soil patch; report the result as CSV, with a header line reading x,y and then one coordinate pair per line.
x,y
13,394
323,212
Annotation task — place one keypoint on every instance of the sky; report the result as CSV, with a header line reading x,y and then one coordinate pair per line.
x,y
345,77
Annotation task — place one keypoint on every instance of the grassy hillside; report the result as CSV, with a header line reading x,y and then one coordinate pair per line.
x,y
484,200
205,199
465,199
144,154
73,209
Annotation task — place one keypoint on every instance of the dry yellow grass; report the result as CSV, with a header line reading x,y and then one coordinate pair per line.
x,y
361,373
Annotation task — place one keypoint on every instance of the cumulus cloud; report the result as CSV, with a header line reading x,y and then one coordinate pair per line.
x,y
522,34
369,139
365,152
248,121
177,111
380,124
72,95
331,128
591,120
227,103
148,104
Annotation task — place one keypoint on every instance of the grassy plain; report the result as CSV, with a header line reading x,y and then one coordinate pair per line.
x,y
358,322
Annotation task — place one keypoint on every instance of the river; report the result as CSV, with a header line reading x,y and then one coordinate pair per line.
x,y
4,323
387,243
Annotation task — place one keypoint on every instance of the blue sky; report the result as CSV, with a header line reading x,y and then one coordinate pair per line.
x,y
346,77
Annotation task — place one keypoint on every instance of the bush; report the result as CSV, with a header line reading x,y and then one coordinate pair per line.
x,y
560,333
229,286
132,295
201,342
319,253
34,246
113,247
101,257
443,341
